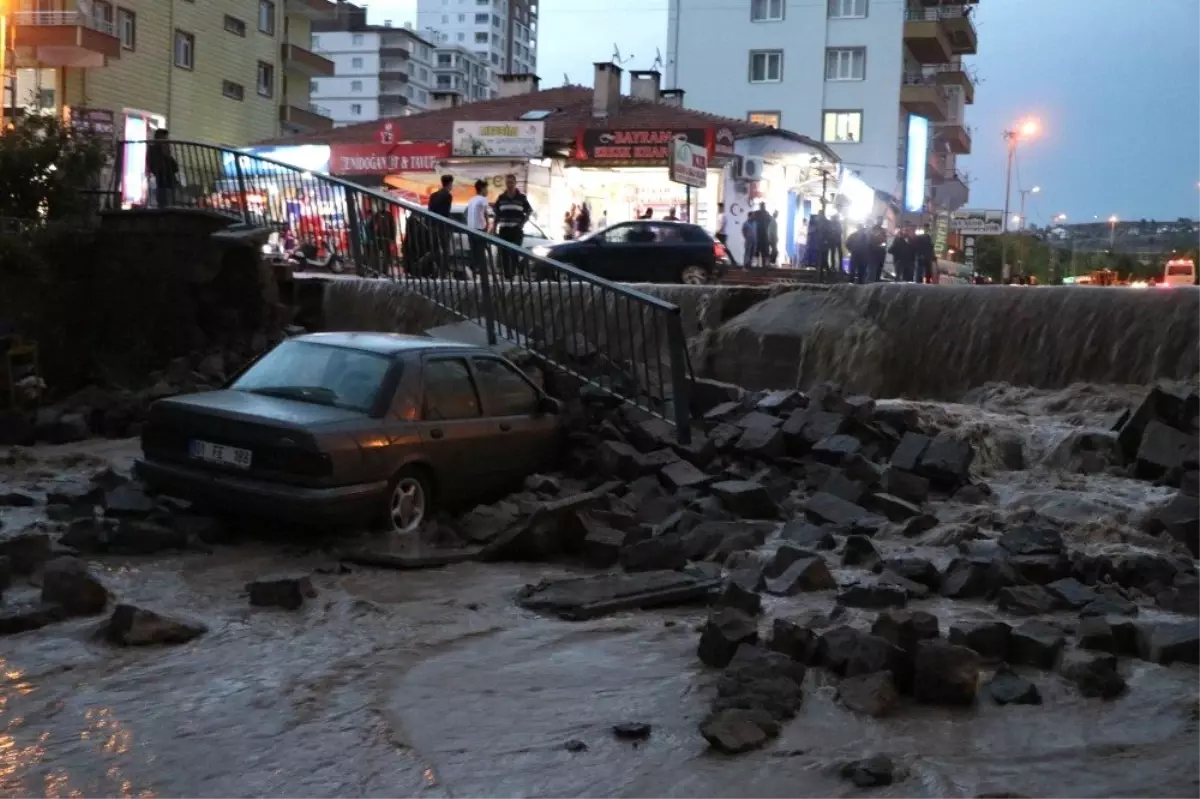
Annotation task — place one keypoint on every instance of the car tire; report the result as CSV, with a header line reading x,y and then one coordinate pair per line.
x,y
694,276
409,501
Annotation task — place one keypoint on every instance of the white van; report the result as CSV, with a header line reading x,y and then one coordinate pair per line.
x,y
1181,272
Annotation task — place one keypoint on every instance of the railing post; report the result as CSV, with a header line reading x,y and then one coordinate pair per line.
x,y
681,385
353,234
241,184
483,264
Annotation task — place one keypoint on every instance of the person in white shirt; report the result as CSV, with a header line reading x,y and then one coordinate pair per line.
x,y
477,219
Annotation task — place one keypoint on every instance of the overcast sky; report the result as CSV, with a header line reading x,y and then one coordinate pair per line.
x,y
1116,84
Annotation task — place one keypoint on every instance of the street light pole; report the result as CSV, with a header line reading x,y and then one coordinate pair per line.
x,y
1112,234
1027,128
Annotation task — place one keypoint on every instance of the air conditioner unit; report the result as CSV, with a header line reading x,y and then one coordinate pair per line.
x,y
750,168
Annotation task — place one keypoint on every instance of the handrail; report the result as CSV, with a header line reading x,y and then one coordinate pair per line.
x,y
624,341
936,13
50,19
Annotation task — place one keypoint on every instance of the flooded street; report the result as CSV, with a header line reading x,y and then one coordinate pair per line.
x,y
434,683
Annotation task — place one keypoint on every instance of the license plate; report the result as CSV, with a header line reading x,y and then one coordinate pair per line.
x,y
219,453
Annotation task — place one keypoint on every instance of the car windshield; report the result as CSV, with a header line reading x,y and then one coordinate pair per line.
x,y
318,373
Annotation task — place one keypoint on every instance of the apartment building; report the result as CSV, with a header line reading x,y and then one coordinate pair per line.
x,y
883,82
501,32
218,71
460,73
380,71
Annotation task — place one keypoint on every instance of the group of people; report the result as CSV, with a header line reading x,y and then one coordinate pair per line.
x,y
912,254
577,222
760,235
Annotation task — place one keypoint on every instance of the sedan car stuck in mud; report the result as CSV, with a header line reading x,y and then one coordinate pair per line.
x,y
354,428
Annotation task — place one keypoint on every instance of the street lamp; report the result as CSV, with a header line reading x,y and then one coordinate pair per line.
x,y
1112,232
1027,129
1025,193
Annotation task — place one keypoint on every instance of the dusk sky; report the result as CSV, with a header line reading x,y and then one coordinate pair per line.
x,y
1115,83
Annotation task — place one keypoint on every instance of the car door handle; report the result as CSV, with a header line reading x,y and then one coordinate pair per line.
x,y
435,433
505,426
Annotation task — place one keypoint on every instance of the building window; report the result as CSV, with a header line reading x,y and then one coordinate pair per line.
x,y
266,79
266,17
316,42
356,109
424,75
128,29
234,91
482,37
847,9
462,18
766,10
314,86
766,66
356,85
185,50
235,26
356,63
768,118
481,19
356,40
103,12
846,63
842,127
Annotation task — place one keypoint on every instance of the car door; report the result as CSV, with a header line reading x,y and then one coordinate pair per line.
x,y
664,257
523,437
452,425
624,252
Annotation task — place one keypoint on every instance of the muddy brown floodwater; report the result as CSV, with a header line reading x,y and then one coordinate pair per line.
x,y
435,684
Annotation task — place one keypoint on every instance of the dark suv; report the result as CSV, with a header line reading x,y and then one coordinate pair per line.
x,y
645,251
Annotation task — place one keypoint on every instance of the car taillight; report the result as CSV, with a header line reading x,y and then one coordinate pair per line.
x,y
720,250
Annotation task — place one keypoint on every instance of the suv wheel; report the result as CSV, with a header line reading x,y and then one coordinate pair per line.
x,y
694,276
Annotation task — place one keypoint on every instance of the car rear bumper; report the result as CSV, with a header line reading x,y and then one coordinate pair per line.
x,y
299,504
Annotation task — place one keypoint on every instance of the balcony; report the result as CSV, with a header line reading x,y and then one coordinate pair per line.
x,y
311,9
950,190
64,39
304,120
922,96
927,37
394,50
391,89
957,137
305,62
960,28
954,75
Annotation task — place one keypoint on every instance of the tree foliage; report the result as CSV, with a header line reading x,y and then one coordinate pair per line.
x,y
48,169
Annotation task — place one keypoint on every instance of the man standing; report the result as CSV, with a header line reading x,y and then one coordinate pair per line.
x,y
762,230
721,235
904,256
926,257
833,245
512,211
878,251
859,245
477,220
441,201
163,167
749,240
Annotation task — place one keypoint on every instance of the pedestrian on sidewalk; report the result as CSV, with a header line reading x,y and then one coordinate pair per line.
x,y
512,210
762,230
833,245
904,256
878,251
859,245
163,167
477,220
749,240
773,238
926,257
583,220
814,245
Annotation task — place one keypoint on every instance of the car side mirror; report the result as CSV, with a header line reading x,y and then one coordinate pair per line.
x,y
549,405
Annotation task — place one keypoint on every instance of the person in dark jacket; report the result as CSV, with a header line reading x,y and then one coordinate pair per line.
x,y
512,210
440,203
442,200
163,167
833,244
926,257
859,245
762,233
904,256
878,251
814,244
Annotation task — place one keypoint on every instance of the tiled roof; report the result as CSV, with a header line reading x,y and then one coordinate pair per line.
x,y
571,108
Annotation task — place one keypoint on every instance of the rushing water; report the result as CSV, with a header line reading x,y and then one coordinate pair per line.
x,y
433,683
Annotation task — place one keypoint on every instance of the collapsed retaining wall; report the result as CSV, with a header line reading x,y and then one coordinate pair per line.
x,y
884,340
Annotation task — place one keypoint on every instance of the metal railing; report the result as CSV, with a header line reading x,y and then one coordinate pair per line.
x,y
624,342
935,13
50,19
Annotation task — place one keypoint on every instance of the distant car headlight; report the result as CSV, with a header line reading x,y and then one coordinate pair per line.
x,y
541,251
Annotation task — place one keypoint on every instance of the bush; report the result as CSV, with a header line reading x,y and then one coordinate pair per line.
x,y
48,169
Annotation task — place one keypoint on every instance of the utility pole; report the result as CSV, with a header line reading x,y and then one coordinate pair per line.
x,y
1028,128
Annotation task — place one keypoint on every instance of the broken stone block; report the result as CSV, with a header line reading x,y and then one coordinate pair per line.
x,y
913,590
664,552
761,442
66,581
906,485
133,626
739,598
989,638
27,551
908,452
892,507
725,630
1180,519
1026,600
127,499
825,508
871,772
1009,688
870,694
618,459
681,474
632,730
16,499
918,525
919,570
872,597
1163,449
288,593
141,537
15,619
947,461
757,678
1183,597
905,629
736,730
966,578
1071,593
1031,540
580,598
1095,675
859,551
835,646
782,402
840,485
805,574
1115,636
724,436
807,536
602,547
746,498
804,428
1036,644
1107,605
1169,642
722,411
835,449
945,674
791,639
1040,569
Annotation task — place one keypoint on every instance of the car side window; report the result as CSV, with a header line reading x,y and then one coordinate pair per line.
x,y
508,393
618,235
666,234
449,391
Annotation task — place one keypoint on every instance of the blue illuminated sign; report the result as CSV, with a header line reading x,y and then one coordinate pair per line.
x,y
915,168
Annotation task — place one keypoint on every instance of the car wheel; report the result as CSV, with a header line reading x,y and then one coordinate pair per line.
x,y
694,276
408,501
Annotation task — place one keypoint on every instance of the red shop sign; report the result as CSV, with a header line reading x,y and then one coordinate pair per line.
x,y
385,159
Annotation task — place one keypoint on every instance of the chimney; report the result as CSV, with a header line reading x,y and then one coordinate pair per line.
x,y
606,95
671,97
645,84
520,83
441,100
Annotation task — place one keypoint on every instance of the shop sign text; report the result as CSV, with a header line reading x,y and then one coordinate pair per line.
x,y
379,159
688,164
646,147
